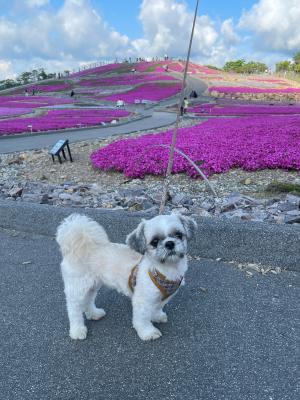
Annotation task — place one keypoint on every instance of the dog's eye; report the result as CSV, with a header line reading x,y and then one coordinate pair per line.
x,y
178,235
154,242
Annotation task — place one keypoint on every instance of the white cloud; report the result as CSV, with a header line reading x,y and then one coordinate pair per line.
x,y
77,33
36,3
275,25
6,70
167,29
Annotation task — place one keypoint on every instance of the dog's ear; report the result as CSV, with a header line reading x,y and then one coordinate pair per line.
x,y
189,224
136,239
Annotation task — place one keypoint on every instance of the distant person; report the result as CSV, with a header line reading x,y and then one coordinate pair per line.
x,y
166,68
72,93
26,93
120,103
185,105
33,91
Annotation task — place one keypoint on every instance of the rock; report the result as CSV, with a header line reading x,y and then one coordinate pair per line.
x,y
293,199
15,192
36,198
287,206
246,181
201,212
16,160
136,207
240,214
291,219
293,212
208,205
182,199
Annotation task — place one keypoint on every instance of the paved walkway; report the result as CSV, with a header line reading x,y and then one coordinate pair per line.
x,y
229,336
22,143
153,118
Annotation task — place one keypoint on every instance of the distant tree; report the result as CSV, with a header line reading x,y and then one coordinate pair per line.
x,y
235,66
296,68
7,83
42,74
296,57
283,66
213,67
51,76
255,67
240,66
24,78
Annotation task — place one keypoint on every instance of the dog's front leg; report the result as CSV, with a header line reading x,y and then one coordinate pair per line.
x,y
142,310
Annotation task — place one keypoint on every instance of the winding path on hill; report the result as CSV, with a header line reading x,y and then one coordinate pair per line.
x,y
152,118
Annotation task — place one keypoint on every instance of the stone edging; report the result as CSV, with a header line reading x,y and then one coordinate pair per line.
x,y
231,241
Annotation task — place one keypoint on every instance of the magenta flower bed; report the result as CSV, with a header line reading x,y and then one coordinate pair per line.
x,y
151,91
211,109
50,88
268,80
97,70
32,101
8,112
129,80
245,89
60,119
218,144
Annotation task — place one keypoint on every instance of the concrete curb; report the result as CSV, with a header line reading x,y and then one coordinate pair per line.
x,y
231,241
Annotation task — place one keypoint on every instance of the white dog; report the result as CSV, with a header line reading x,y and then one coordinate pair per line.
x,y
149,269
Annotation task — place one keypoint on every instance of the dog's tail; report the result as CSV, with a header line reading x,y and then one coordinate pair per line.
x,y
79,235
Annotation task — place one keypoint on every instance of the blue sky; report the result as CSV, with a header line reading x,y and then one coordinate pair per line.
x,y
63,34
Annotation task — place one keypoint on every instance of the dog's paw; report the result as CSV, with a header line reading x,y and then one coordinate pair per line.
x,y
150,334
96,314
160,317
79,332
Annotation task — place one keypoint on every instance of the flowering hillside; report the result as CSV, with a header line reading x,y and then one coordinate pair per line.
x,y
150,91
217,144
237,110
60,119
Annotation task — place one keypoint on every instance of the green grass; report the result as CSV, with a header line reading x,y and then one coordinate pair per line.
x,y
153,67
283,187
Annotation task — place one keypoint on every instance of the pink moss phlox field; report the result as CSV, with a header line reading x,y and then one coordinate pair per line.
x,y
245,89
32,101
97,70
8,112
126,80
268,80
212,109
60,119
218,144
49,88
151,91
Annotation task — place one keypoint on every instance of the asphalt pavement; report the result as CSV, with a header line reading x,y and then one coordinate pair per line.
x,y
153,120
229,336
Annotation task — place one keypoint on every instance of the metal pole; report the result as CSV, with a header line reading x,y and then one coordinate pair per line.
x,y
175,132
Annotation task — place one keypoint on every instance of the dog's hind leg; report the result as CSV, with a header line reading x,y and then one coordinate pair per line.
x,y
76,299
91,311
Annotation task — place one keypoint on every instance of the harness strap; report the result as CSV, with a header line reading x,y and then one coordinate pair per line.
x,y
165,286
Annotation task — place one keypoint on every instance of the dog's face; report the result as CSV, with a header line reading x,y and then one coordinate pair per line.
x,y
163,238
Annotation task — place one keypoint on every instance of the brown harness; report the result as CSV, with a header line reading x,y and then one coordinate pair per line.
x,y
165,286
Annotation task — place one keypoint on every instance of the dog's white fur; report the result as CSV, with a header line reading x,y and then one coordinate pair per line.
x,y
90,260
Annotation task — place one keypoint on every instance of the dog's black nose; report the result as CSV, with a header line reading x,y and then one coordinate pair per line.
x,y
170,245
